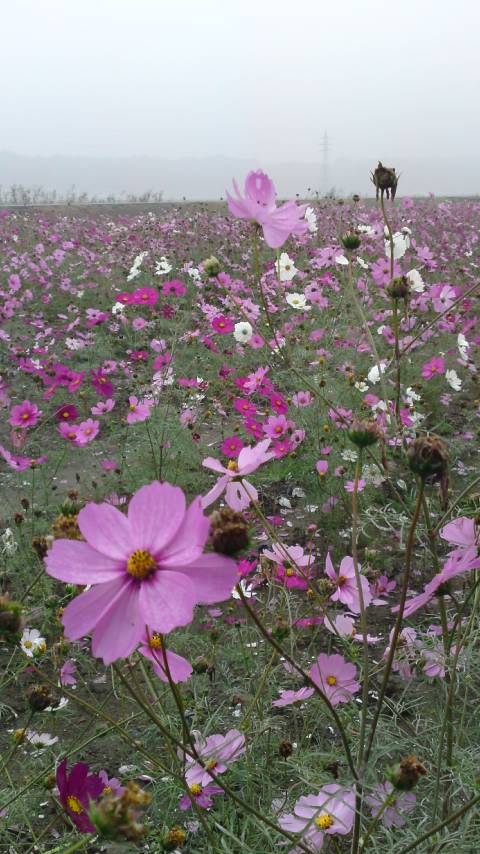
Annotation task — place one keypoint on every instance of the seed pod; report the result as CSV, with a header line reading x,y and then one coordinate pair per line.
x,y
228,531
405,775
364,433
39,697
285,749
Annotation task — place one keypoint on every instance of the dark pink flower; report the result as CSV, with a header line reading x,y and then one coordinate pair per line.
x,y
26,414
76,790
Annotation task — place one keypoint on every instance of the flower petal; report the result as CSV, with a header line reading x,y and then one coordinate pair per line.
x,y
189,541
106,529
78,563
155,513
213,577
84,612
167,601
121,626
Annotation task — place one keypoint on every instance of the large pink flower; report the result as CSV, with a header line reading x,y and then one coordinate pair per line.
x,y
239,493
335,677
258,204
148,570
462,533
331,811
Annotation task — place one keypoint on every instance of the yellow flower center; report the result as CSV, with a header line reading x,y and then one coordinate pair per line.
x,y
66,414
155,642
141,564
107,790
289,572
25,416
212,764
196,789
132,407
324,821
19,735
74,805
232,466
331,680
27,644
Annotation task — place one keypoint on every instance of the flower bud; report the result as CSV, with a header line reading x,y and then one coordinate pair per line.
x,y
364,433
10,616
428,458
351,241
398,288
212,266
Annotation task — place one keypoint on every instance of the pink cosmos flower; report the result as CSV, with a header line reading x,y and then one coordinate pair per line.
x,y
405,652
238,492
111,785
331,811
403,804
322,467
86,432
66,413
335,677
275,426
67,673
302,399
258,205
231,447
432,368
347,591
180,669
217,753
344,626
26,414
350,485
144,296
202,796
103,407
222,325
138,411
382,587
101,383
293,565
462,533
289,698
458,563
147,570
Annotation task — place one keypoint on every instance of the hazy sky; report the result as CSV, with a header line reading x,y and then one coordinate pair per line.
x,y
260,79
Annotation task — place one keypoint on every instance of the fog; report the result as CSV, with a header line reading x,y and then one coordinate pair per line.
x,y
119,95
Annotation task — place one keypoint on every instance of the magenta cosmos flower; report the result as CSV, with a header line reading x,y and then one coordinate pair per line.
x,y
76,790
258,205
202,795
346,584
147,569
335,677
331,811
26,414
238,493
217,753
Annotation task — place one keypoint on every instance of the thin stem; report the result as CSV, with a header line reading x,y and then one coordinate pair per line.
x,y
398,623
451,818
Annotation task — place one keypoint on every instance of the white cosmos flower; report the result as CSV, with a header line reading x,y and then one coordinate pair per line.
x,y
365,229
412,396
373,375
243,332
118,308
135,268
9,543
163,266
285,268
401,243
453,380
311,219
363,264
32,642
40,739
340,259
298,301
361,386
194,274
463,346
415,281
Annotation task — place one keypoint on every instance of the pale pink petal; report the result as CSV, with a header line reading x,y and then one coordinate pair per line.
x,y
106,529
84,612
155,513
215,492
121,627
213,577
78,563
214,465
167,601
189,541
239,495
180,668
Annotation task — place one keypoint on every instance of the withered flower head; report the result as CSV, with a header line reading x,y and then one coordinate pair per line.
x,y
65,527
175,838
398,288
285,749
384,179
40,546
116,817
10,616
405,775
39,697
428,458
228,531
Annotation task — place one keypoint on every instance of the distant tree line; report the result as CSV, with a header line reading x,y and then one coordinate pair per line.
x,y
17,194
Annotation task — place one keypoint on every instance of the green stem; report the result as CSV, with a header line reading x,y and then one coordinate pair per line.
x,y
398,623
446,821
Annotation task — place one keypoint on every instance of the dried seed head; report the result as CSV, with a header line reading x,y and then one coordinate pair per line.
x,y
65,527
384,178
39,697
364,433
285,749
10,616
228,531
398,288
175,838
428,458
406,774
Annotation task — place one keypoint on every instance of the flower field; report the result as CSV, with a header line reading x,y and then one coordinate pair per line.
x,y
239,532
